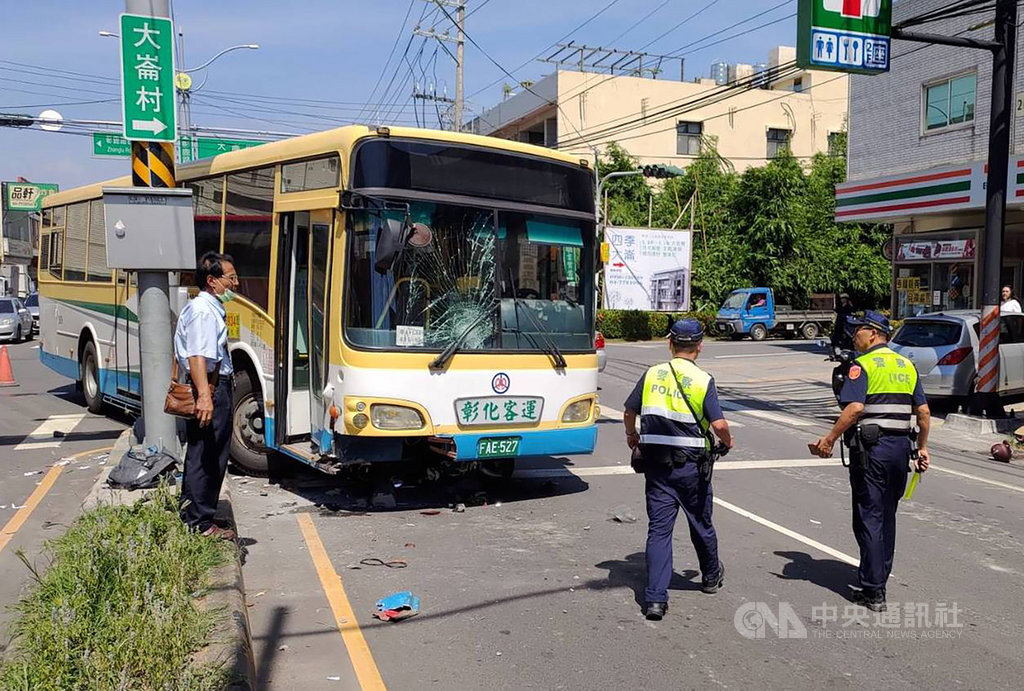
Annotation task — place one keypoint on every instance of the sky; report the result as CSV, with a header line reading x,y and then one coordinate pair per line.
x,y
324,63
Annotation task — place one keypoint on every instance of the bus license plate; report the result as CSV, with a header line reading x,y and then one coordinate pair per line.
x,y
497,447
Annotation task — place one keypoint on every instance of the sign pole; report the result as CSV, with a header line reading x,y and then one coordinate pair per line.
x,y
995,202
152,165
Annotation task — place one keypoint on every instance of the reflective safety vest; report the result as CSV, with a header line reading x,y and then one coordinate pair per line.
x,y
892,379
665,420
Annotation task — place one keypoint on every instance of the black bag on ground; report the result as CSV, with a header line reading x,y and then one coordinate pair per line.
x,y
142,469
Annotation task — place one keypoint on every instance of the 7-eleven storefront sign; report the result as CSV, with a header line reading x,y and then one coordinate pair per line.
x,y
844,35
934,191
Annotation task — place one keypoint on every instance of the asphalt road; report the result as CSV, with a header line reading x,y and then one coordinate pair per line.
x,y
43,477
537,585
540,587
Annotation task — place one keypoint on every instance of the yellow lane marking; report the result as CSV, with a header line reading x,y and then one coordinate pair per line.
x,y
19,518
344,617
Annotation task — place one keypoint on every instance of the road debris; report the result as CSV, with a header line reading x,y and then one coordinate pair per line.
x,y
33,472
459,508
393,564
623,514
397,606
429,512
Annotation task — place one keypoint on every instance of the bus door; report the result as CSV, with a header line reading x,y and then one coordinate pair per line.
x,y
304,245
124,317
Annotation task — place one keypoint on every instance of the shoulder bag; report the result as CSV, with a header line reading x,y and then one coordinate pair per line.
x,y
180,400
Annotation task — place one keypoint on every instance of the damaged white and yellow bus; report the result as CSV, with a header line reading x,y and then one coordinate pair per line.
x,y
404,293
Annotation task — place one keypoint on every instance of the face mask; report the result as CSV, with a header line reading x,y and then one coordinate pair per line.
x,y
226,296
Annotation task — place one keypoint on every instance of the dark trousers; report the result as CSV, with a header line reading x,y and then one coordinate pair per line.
x,y
878,483
669,489
206,460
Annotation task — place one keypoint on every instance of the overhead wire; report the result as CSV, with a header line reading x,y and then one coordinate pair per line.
x,y
391,55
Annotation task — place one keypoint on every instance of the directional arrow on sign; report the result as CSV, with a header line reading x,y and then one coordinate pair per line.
x,y
155,126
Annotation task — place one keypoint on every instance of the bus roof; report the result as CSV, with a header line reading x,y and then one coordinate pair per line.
x,y
341,139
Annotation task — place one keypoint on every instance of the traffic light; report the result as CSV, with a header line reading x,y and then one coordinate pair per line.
x,y
15,120
660,170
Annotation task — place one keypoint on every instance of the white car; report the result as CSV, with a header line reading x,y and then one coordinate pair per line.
x,y
15,320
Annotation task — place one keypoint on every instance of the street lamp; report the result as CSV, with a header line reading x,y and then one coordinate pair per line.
x,y
248,46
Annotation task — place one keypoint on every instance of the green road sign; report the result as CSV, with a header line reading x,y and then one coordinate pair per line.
x,y
110,146
211,146
147,78
844,35
26,196
116,146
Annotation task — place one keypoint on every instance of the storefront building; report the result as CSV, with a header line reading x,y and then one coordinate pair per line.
x,y
918,137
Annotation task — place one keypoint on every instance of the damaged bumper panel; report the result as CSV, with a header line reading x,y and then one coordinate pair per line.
x,y
556,442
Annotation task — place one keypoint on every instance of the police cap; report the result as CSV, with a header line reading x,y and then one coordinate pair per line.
x,y
686,331
873,320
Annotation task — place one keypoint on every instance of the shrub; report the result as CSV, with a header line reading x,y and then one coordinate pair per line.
x,y
636,326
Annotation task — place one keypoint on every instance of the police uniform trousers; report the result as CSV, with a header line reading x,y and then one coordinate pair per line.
x,y
206,460
878,484
669,488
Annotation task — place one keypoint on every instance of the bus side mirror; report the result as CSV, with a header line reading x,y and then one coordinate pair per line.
x,y
391,238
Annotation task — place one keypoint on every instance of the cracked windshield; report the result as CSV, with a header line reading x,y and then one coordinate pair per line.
x,y
495,280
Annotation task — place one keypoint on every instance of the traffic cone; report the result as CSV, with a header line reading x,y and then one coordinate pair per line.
x,y
6,373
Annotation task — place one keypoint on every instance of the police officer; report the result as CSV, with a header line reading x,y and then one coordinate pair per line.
x,y
840,335
878,398
674,441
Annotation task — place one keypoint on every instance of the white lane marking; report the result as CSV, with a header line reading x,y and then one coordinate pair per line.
x,y
1015,488
731,357
613,414
842,556
42,436
610,413
592,471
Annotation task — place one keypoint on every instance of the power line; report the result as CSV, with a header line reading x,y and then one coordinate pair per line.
x,y
391,55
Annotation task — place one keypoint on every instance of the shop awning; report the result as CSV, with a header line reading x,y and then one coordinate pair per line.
x,y
934,191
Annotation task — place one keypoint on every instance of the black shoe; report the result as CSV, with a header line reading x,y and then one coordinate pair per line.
x,y
656,610
872,599
713,585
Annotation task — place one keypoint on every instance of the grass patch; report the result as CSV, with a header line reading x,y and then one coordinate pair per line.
x,y
115,609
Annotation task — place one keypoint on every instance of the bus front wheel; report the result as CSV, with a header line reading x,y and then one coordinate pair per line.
x,y
249,451
89,374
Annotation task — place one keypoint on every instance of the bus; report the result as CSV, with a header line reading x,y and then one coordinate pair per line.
x,y
405,294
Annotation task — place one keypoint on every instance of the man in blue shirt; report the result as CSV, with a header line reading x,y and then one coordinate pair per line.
x,y
677,403
881,394
201,350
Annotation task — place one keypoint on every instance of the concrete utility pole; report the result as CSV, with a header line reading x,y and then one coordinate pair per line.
x,y
155,337
460,50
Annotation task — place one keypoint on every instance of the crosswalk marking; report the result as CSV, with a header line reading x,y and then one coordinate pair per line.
x,y
42,436
768,415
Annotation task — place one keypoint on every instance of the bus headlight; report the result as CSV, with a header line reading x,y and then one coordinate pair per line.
x,y
395,417
578,411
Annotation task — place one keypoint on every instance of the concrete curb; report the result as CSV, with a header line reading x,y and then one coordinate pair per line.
x,y
957,422
231,642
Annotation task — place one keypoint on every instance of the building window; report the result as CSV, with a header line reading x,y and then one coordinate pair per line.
x,y
949,102
778,140
688,137
248,216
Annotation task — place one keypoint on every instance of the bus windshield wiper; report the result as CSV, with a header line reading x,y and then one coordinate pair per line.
x,y
549,346
454,347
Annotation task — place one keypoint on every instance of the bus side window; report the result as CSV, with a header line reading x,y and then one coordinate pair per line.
x,y
207,198
97,270
76,242
248,216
